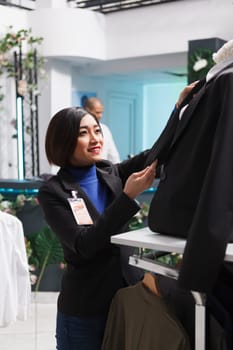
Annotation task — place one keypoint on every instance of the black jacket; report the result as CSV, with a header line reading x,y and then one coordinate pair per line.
x,y
195,195
96,269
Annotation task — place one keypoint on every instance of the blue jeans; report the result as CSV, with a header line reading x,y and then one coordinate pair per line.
x,y
79,333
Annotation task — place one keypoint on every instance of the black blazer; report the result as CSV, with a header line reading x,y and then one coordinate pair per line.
x,y
195,195
96,269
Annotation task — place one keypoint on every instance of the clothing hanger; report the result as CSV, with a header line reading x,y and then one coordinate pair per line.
x,y
149,280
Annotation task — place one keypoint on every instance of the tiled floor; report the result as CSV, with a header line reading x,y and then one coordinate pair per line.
x,y
37,332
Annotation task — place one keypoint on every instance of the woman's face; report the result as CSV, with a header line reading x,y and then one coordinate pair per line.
x,y
89,143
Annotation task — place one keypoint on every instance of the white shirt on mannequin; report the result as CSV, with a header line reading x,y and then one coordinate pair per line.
x,y
15,290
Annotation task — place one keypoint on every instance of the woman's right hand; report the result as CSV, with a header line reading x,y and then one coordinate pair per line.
x,y
185,92
140,181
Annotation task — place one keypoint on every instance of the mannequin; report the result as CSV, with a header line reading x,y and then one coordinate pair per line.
x,y
224,53
194,153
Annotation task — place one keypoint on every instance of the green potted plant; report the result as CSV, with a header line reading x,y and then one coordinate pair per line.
x,y
46,251
24,43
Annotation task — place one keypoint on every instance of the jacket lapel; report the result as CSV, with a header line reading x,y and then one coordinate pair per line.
x,y
200,88
67,181
69,184
187,115
113,182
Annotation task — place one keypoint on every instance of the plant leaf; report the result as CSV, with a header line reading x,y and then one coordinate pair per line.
x,y
46,247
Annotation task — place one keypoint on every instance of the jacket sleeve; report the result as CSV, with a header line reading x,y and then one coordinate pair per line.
x,y
161,146
129,166
157,151
84,240
213,220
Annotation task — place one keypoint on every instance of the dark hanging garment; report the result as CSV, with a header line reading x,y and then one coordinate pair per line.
x,y
216,338
139,319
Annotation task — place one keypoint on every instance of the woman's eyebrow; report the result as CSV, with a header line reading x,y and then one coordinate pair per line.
x,y
86,126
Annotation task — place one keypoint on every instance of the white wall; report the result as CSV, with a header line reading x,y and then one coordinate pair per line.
x,y
152,30
56,94
70,32
166,28
12,16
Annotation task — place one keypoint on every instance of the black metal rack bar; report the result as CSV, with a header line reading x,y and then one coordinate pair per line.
x,y
108,6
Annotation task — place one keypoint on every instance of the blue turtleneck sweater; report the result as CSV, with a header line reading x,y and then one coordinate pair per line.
x,y
87,179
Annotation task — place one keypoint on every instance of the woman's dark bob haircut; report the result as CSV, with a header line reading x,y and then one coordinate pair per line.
x,y
62,133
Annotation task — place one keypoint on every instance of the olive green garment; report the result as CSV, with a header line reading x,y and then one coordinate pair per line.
x,y
140,320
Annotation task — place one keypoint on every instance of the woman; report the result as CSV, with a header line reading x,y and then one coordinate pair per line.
x,y
87,202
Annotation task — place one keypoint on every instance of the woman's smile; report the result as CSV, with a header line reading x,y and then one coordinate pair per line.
x,y
96,149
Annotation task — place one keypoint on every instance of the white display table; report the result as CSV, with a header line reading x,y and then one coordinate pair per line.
x,y
145,238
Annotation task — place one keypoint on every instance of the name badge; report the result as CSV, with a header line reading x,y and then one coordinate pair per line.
x,y
80,211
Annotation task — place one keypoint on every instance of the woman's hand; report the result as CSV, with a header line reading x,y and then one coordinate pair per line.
x,y
140,181
185,92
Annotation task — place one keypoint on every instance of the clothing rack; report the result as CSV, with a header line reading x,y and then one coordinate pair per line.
x,y
146,239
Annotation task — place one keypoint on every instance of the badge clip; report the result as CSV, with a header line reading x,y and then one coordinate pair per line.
x,y
74,194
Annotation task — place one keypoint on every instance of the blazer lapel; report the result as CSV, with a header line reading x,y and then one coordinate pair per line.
x,y
187,115
113,182
67,181
70,185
